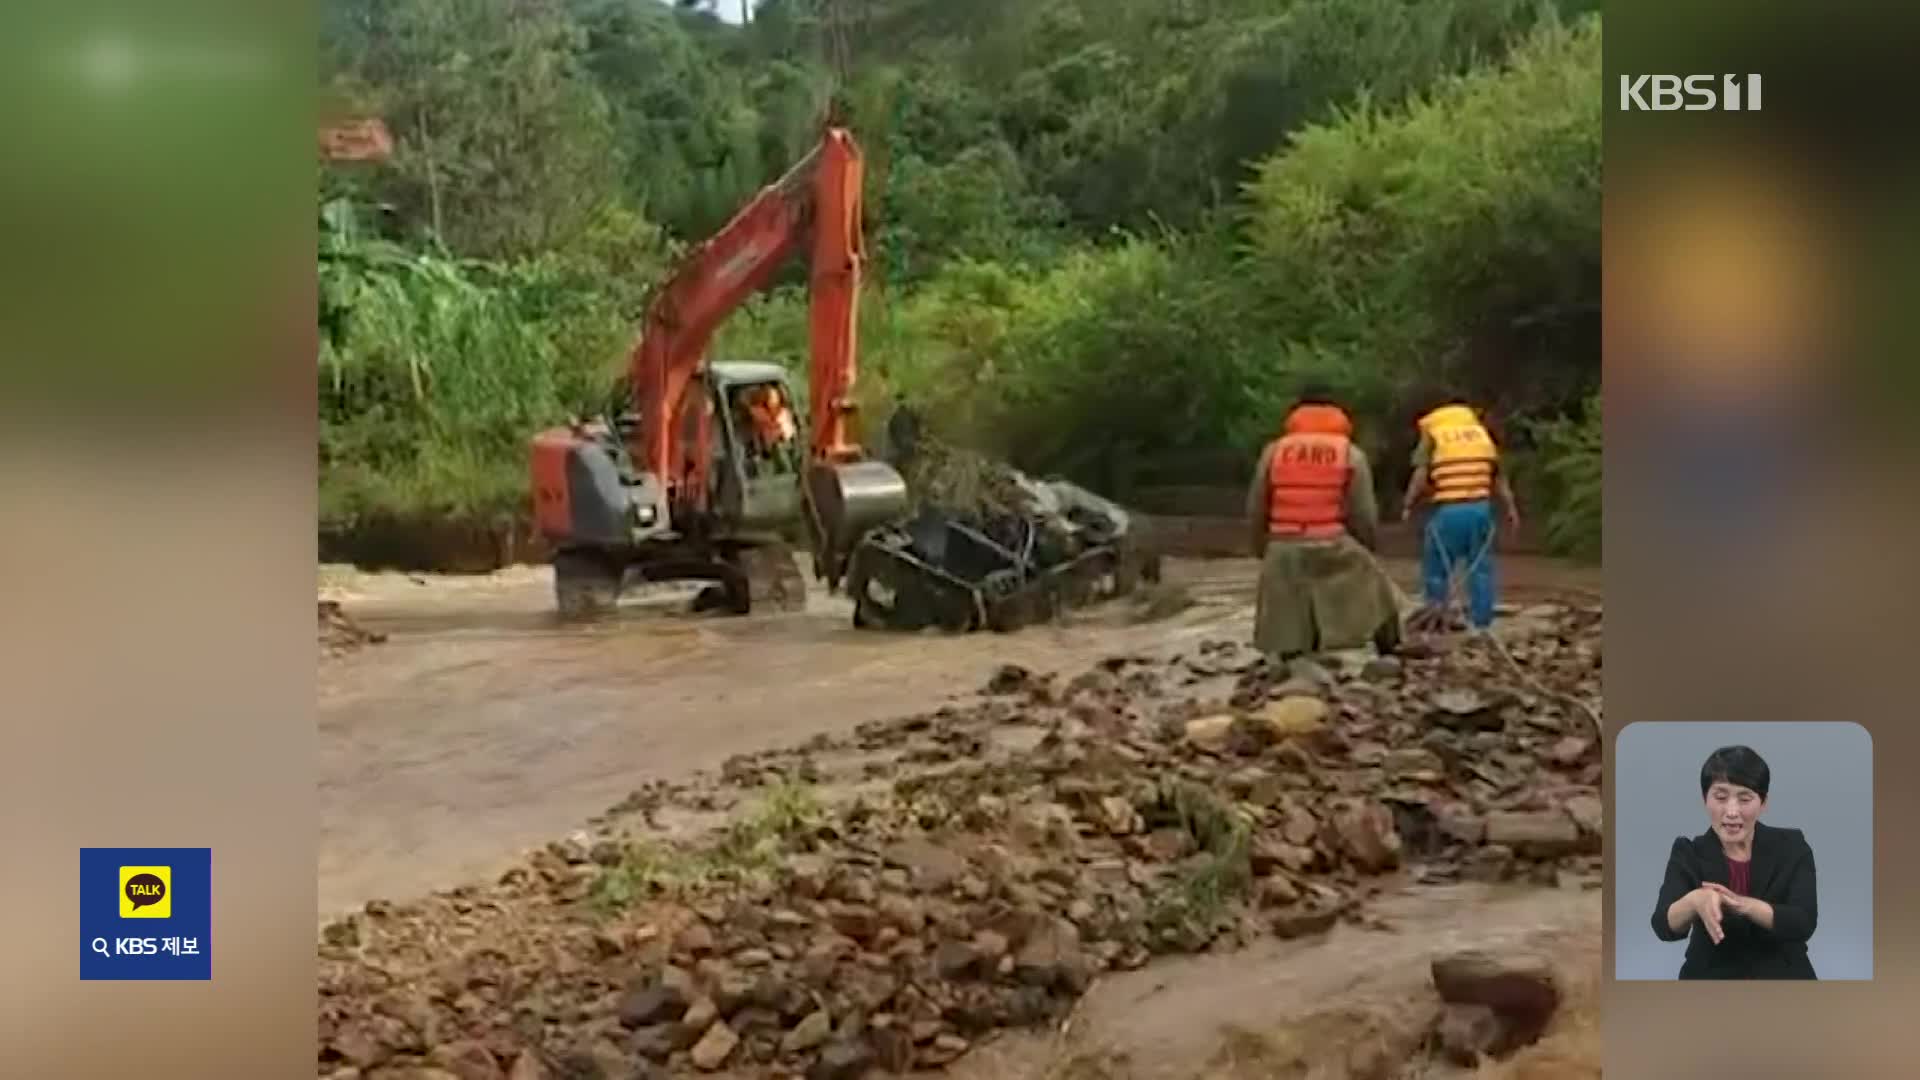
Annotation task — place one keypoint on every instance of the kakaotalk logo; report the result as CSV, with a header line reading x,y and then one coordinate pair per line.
x,y
144,892
1693,93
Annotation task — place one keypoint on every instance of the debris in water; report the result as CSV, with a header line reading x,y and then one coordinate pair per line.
x,y
339,634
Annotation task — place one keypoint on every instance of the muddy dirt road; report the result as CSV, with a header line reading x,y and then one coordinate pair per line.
x,y
481,727
1281,1008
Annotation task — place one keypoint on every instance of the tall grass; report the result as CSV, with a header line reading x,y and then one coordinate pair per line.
x,y
434,372
1567,480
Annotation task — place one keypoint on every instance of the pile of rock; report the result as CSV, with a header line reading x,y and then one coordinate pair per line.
x,y
1025,843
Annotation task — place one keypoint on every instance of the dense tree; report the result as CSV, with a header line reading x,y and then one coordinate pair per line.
x,y
1109,237
504,146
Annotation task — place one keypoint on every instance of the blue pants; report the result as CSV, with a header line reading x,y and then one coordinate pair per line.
x,y
1457,532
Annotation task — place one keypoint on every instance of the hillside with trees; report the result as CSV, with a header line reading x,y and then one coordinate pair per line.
x,y
1110,238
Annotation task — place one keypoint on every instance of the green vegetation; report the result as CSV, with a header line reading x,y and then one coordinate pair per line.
x,y
748,849
1183,913
1109,237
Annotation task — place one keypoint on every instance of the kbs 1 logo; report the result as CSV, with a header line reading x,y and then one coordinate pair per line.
x,y
1692,93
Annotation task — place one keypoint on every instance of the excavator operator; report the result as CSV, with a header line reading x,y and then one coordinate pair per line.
x,y
771,421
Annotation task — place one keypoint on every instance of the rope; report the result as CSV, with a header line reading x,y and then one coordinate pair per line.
x,y
1458,578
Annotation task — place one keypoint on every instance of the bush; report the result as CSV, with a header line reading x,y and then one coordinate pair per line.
x,y
434,373
1567,480
1450,237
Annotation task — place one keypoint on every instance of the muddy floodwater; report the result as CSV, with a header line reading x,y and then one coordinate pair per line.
x,y
481,726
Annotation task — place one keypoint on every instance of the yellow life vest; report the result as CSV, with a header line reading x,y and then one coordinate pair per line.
x,y
1461,469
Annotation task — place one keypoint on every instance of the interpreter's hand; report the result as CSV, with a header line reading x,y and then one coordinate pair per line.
x,y
1747,907
1710,906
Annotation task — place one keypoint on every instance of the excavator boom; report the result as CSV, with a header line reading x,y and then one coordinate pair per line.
x,y
839,256
818,198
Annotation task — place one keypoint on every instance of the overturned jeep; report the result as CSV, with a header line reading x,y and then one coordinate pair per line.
x,y
999,567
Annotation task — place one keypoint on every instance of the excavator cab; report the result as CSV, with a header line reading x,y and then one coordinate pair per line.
x,y
757,458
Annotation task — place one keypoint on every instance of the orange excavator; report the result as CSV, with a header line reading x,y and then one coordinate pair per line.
x,y
705,478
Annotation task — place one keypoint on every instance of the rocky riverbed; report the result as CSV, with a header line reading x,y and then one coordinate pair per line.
x,y
888,899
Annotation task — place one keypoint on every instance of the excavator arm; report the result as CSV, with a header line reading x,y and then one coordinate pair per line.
x,y
818,200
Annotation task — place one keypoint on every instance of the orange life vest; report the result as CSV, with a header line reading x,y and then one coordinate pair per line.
x,y
1307,479
772,421
1461,468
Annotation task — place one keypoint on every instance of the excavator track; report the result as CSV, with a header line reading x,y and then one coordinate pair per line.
x,y
773,578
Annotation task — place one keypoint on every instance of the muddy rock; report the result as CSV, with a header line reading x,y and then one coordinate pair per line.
x,y
892,1045
651,1001
931,868
1306,670
842,1059
1459,824
1520,987
731,990
1052,957
955,959
851,887
1569,751
1413,763
1010,679
1589,815
1278,891
1306,918
528,1066
1047,825
1166,845
1298,826
1118,816
1464,709
1210,734
990,946
343,933
701,1014
856,921
945,1050
657,1042
715,1046
812,1031
1490,864
1365,832
1468,1033
807,875
468,1061
902,913
1538,834
1294,718
695,939
1382,668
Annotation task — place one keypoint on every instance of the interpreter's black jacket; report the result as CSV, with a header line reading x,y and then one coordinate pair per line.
x,y
1781,873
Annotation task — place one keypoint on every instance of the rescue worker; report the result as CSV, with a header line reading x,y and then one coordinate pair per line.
x,y
773,424
1457,467
1315,522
